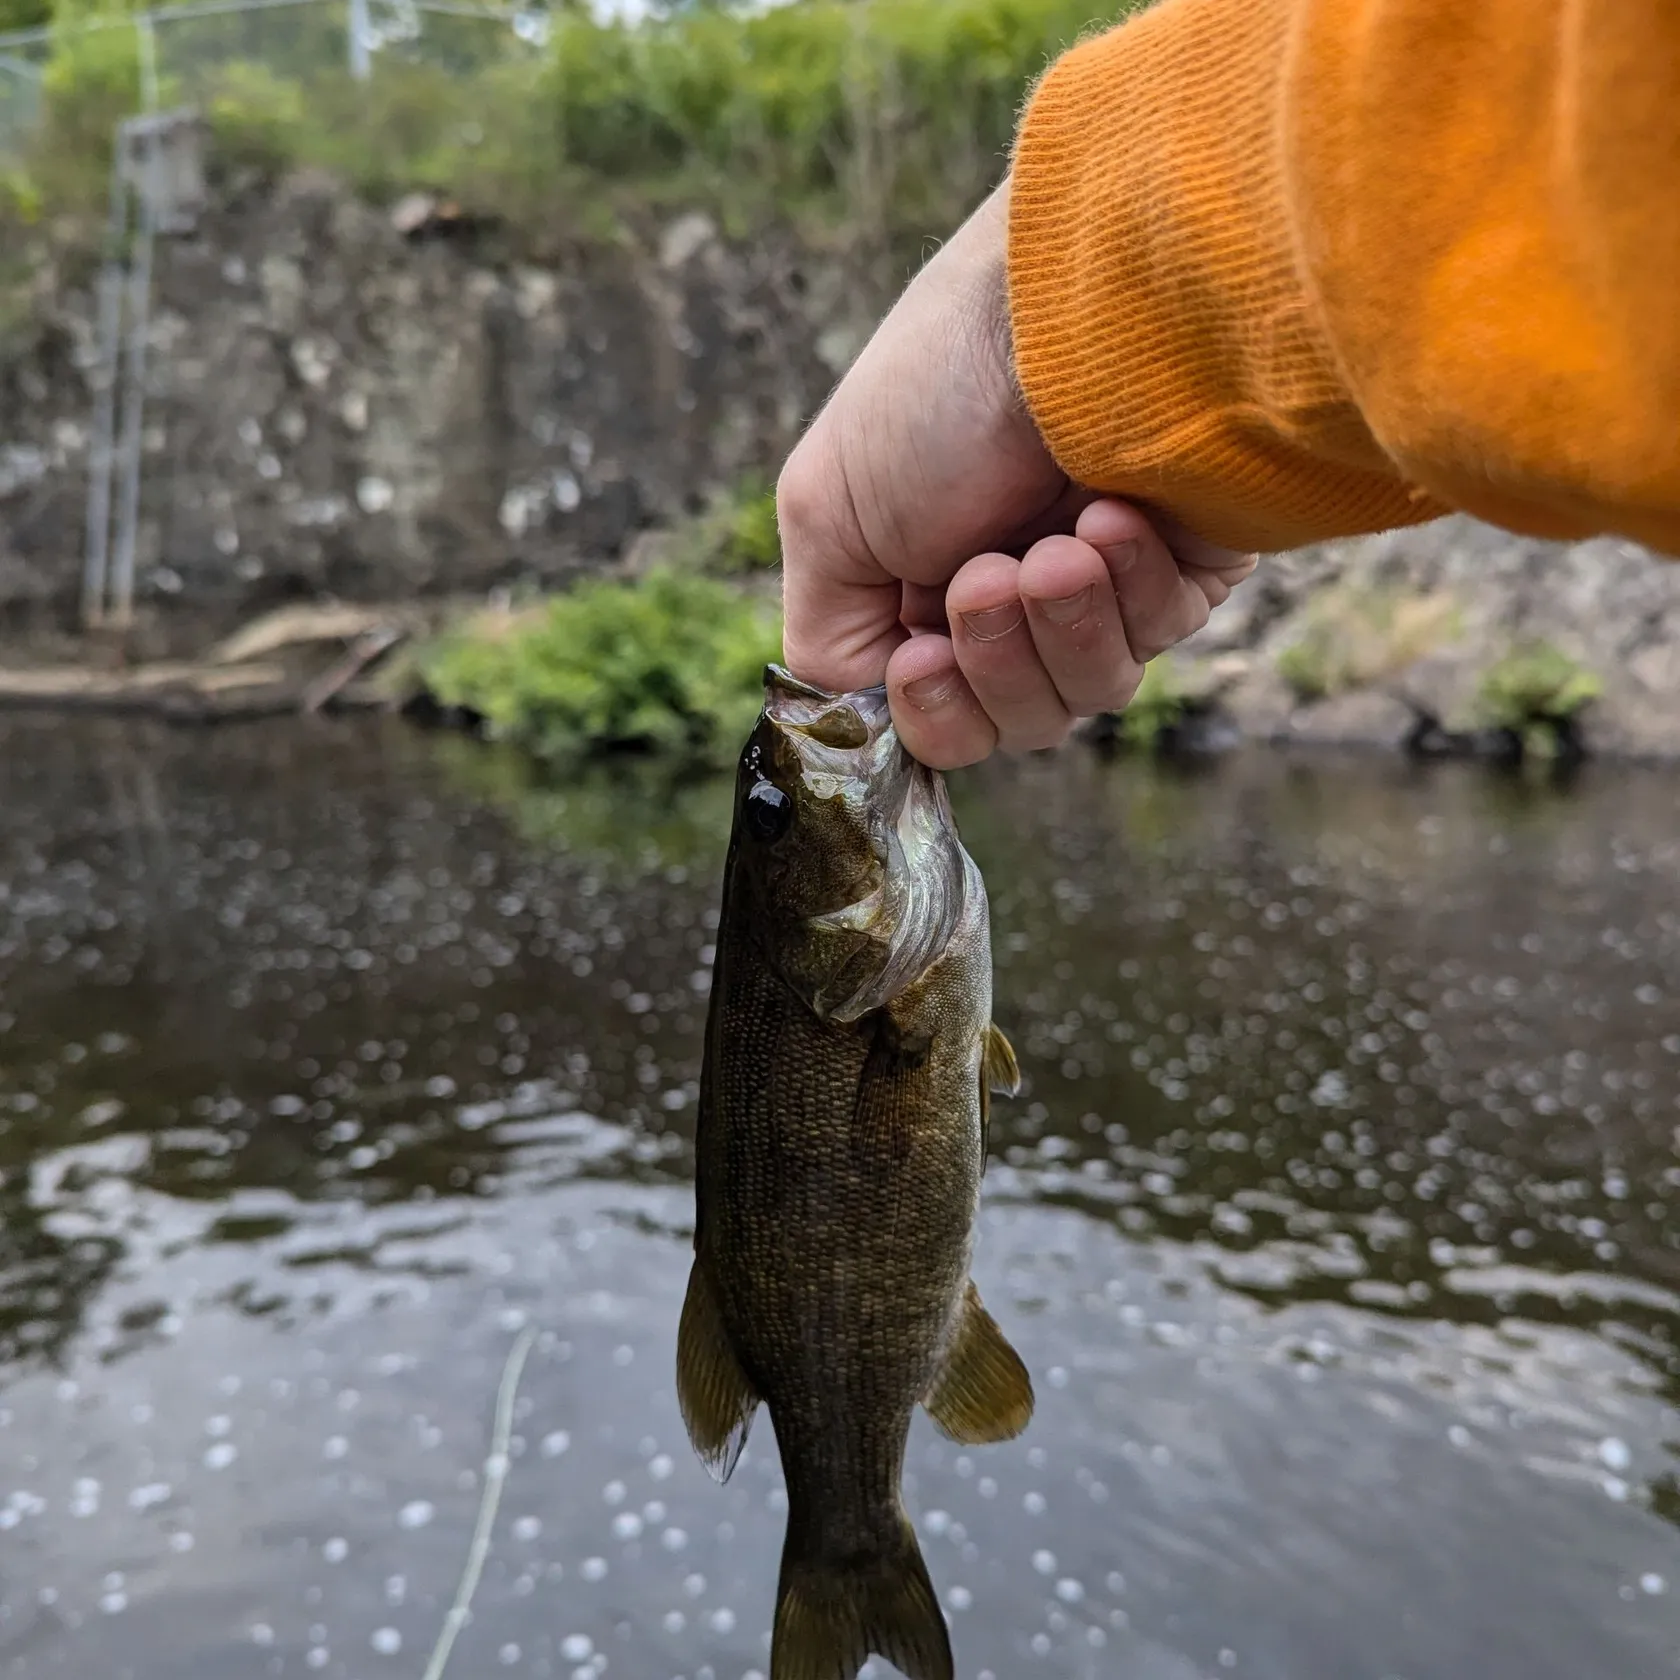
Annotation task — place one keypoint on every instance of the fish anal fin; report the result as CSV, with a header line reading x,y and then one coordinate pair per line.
x,y
830,1617
983,1392
717,1400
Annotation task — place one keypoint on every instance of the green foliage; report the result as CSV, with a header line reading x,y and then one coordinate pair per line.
x,y
24,14
1158,706
892,118
738,534
1355,637
672,664
1536,691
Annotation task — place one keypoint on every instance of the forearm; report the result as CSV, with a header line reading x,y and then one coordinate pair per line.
x,y
1293,269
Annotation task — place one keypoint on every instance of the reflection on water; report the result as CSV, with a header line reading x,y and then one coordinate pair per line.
x,y
1335,1218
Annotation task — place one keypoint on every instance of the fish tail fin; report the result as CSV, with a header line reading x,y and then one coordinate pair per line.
x,y
831,1616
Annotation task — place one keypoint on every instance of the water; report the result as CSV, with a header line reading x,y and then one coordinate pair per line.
x,y
1336,1221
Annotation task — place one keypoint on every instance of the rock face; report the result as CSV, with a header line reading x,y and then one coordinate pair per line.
x,y
1608,604
382,404
339,406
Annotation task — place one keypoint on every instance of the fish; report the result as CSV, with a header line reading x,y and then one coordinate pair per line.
x,y
850,1057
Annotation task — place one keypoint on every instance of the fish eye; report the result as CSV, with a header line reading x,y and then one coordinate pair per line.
x,y
769,811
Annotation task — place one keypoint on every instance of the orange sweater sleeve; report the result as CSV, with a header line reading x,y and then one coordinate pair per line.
x,y
1295,269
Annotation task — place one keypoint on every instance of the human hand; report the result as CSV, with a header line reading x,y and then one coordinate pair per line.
x,y
930,540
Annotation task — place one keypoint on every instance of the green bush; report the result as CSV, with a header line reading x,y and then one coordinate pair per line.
x,y
1537,692
673,663
737,534
1158,706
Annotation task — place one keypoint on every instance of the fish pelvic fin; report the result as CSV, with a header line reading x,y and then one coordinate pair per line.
x,y
831,1616
718,1402
982,1393
999,1070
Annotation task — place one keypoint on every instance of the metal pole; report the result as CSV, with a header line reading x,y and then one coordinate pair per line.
x,y
139,330
361,57
97,554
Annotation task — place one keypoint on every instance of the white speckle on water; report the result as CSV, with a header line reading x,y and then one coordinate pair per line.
x,y
675,1621
623,1355
386,1641
614,1493
660,1467
1653,1585
262,1634
527,1528
593,1569
1069,1591
1044,1562
181,1541
416,1514
335,1446
694,1585
1058,1376
577,1647
144,1498
1041,1644
217,1427
113,1603
626,1526
959,1598
674,1539
317,1656
336,1550
555,1443
1614,1488
936,1522
1613,1453
508,1655
723,1620
986,1488
396,1589
1034,1504
221,1455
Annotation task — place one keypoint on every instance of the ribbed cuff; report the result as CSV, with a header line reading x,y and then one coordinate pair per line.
x,y
1166,343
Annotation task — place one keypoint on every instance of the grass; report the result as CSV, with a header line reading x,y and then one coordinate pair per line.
x,y
1353,638
670,664
889,119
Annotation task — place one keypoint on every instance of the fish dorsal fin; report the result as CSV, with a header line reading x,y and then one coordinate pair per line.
x,y
717,1401
982,1392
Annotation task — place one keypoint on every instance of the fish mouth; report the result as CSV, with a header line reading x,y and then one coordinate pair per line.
x,y
858,718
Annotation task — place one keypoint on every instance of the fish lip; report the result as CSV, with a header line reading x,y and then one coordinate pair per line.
x,y
794,703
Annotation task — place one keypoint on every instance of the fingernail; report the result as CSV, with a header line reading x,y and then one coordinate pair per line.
x,y
1069,609
1122,557
927,693
993,622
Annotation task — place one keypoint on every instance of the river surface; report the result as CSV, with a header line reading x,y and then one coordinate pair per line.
x,y
1336,1221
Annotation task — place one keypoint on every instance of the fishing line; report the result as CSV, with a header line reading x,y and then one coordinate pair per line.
x,y
495,1479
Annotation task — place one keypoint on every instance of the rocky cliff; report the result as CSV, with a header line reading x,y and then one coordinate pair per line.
x,y
378,405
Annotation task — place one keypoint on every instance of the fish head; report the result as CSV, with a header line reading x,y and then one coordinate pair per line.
x,y
844,851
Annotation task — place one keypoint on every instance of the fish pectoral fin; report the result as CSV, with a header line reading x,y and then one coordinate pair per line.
x,y
717,1401
982,1392
998,1066
831,1616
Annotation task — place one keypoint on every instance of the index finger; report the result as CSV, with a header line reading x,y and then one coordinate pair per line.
x,y
840,606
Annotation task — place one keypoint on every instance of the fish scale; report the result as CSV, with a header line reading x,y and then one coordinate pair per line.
x,y
849,1055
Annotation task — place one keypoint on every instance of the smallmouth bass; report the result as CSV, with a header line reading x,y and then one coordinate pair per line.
x,y
844,1100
